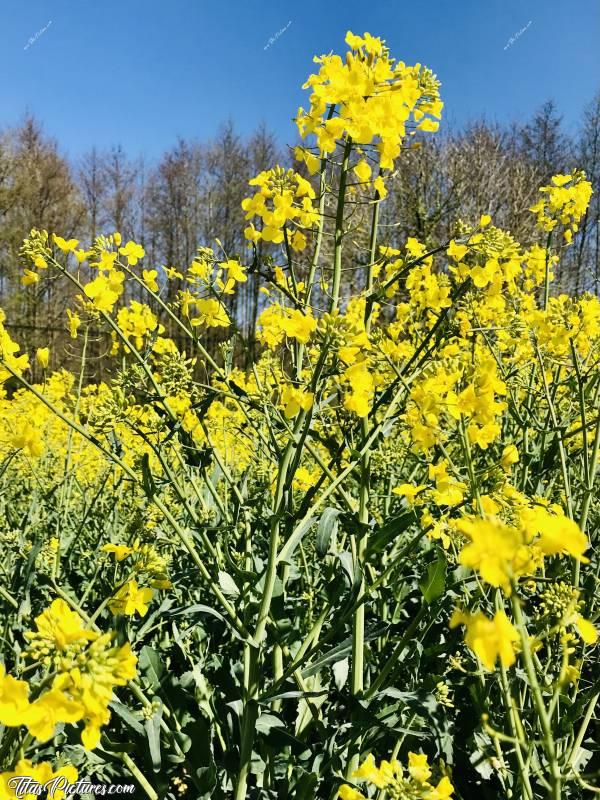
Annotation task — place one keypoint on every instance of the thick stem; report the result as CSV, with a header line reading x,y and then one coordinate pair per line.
x,y
339,228
252,653
360,548
538,700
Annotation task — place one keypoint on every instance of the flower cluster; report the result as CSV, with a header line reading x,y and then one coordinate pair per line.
x,y
86,668
401,783
378,102
137,322
502,553
565,201
283,202
10,362
489,639
278,322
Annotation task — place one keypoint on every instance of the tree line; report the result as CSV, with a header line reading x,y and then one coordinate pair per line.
x,y
192,196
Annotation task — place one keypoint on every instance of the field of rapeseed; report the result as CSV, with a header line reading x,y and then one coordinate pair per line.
x,y
363,565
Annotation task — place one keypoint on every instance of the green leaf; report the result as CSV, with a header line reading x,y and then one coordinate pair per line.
x,y
268,721
292,543
267,699
152,727
434,584
328,525
340,673
382,536
151,666
227,584
127,716
347,562
147,479
342,650
196,608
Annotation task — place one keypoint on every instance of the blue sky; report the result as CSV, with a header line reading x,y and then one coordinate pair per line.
x,y
142,72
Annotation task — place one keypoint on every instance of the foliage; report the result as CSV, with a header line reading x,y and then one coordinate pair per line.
x,y
372,543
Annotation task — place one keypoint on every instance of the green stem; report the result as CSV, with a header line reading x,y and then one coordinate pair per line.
x,y
547,272
252,653
339,227
360,547
138,775
538,700
183,536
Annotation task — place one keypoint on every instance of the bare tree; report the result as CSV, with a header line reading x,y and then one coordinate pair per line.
x,y
93,181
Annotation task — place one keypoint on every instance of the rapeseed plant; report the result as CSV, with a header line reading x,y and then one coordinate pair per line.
x,y
382,529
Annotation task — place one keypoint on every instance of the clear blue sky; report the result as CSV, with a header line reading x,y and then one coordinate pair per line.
x,y
143,72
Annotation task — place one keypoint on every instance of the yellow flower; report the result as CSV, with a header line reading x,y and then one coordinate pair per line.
x,y
211,313
74,323
130,600
370,772
457,251
149,277
86,668
377,98
489,639
104,291
510,456
120,551
299,326
560,180
28,439
562,203
49,710
137,321
29,277
38,775
90,684
82,255
283,199
346,792
57,628
380,187
298,243
42,356
312,162
8,354
428,125
448,491
443,791
293,399
362,170
559,534
67,246
409,491
418,767
107,261
362,386
133,252
14,699
497,551
235,271
586,629
391,776
277,322
172,273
